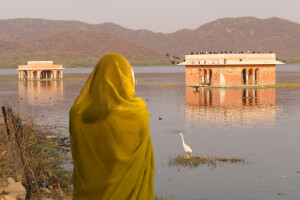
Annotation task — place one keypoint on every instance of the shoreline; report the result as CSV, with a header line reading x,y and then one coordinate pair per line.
x,y
273,86
152,65
134,63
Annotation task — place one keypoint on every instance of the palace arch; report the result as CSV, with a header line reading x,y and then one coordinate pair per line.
x,y
244,77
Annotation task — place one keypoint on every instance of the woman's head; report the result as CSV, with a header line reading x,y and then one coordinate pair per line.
x,y
117,72
109,87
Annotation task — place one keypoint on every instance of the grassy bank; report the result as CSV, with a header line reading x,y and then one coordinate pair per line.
x,y
12,61
292,60
137,63
32,155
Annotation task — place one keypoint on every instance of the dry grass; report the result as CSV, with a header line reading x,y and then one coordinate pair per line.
x,y
141,80
277,85
31,154
75,79
284,85
210,161
165,85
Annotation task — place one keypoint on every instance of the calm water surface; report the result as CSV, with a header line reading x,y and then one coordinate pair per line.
x,y
260,125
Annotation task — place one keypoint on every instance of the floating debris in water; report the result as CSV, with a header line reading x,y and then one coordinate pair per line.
x,y
162,197
281,193
210,161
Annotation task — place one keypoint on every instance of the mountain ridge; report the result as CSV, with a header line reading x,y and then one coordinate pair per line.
x,y
18,37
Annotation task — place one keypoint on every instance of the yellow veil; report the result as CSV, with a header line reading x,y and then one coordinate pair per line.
x,y
110,140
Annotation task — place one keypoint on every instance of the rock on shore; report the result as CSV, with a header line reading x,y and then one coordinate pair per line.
x,y
14,191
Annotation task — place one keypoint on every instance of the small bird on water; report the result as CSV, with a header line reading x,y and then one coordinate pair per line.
x,y
186,148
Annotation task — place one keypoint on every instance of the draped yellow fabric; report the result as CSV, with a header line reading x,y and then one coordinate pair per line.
x,y
110,140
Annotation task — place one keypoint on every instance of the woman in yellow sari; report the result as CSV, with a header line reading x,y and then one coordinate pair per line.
x,y
110,140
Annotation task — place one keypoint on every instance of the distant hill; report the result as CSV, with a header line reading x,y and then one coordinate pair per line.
x,y
80,44
71,43
228,34
24,30
87,44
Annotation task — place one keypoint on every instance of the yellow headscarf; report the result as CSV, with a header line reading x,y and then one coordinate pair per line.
x,y
110,140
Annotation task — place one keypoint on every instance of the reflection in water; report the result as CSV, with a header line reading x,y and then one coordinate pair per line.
x,y
231,107
41,92
274,150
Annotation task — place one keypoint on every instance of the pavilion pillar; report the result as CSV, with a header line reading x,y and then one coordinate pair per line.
x,y
54,74
61,74
38,75
20,75
253,76
247,75
24,74
207,77
29,75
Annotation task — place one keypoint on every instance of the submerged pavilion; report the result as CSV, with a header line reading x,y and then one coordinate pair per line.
x,y
37,70
230,69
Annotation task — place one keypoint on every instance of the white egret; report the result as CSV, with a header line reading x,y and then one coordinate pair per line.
x,y
187,149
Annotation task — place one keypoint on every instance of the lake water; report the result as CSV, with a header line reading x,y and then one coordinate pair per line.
x,y
221,122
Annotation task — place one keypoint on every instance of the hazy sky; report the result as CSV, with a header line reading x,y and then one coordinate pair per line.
x,y
156,15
